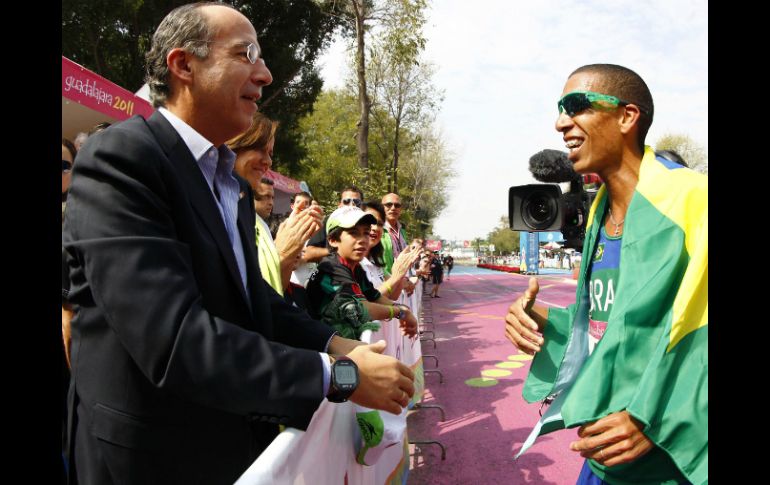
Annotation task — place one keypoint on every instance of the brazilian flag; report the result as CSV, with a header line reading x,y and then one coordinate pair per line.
x,y
653,358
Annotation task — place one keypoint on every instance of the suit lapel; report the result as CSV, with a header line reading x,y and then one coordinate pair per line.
x,y
198,191
246,222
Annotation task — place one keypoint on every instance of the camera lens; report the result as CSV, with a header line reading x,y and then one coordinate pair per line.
x,y
539,210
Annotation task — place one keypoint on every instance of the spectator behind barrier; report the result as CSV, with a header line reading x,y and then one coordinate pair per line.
x,y
317,248
374,263
254,157
436,274
339,292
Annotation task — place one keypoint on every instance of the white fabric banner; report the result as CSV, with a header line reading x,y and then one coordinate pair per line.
x,y
326,452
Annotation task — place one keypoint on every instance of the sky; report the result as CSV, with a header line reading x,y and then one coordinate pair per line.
x,y
503,64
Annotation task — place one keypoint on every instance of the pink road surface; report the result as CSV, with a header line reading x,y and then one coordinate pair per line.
x,y
485,426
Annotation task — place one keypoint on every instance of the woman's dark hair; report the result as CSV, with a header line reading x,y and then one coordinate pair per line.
x,y
376,252
70,146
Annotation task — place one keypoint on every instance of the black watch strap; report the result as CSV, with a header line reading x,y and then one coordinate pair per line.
x,y
344,379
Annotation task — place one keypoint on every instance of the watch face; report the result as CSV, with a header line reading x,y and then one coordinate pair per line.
x,y
345,375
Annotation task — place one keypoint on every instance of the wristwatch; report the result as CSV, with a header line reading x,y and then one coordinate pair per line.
x,y
344,379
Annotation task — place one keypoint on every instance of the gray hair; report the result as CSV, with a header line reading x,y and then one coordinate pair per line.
x,y
184,27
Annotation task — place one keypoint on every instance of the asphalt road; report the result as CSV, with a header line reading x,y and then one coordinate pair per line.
x,y
487,420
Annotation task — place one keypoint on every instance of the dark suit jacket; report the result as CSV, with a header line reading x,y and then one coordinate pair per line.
x,y
177,379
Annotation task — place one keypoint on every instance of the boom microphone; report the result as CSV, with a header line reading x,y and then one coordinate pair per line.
x,y
552,166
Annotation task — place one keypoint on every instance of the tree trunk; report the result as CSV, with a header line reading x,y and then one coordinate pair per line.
x,y
362,137
395,157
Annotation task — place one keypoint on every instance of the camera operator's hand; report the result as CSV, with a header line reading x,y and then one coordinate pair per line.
x,y
384,382
525,320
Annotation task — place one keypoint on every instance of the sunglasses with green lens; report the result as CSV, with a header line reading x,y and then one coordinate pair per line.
x,y
577,101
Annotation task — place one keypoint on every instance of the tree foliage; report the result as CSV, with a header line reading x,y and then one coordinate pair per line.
x,y
426,175
356,16
400,23
692,153
331,162
111,38
504,239
404,98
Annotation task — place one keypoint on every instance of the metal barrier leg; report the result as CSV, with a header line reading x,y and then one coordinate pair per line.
x,y
431,406
431,442
441,376
428,340
431,356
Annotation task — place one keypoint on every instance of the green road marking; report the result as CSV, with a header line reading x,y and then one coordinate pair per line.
x,y
481,382
520,357
509,365
495,373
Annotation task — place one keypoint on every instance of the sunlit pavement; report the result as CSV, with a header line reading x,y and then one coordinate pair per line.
x,y
487,420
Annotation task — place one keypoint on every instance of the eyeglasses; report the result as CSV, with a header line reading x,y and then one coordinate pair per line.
x,y
252,50
66,166
397,205
577,101
356,202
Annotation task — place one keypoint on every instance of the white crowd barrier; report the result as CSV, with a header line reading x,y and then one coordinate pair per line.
x,y
326,453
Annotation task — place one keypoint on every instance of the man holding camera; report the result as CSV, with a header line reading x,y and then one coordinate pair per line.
x,y
628,362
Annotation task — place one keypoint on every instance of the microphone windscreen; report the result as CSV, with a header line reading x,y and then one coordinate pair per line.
x,y
552,166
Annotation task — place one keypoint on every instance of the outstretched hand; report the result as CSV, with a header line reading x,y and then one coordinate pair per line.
x,y
409,324
384,382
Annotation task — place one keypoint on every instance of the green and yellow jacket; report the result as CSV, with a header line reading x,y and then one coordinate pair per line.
x,y
387,246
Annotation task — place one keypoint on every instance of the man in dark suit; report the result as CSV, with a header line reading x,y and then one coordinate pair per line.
x,y
184,361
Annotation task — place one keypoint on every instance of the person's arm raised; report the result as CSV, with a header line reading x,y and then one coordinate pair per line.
x,y
291,238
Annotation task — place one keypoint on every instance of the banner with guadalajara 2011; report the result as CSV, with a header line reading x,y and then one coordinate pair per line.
x,y
93,91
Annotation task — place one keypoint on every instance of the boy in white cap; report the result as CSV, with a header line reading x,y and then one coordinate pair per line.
x,y
339,292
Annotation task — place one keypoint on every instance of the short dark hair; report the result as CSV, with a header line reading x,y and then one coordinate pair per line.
x,y
333,235
351,188
376,205
300,194
627,85
265,181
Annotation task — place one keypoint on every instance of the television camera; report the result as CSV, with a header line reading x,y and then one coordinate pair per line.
x,y
543,207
